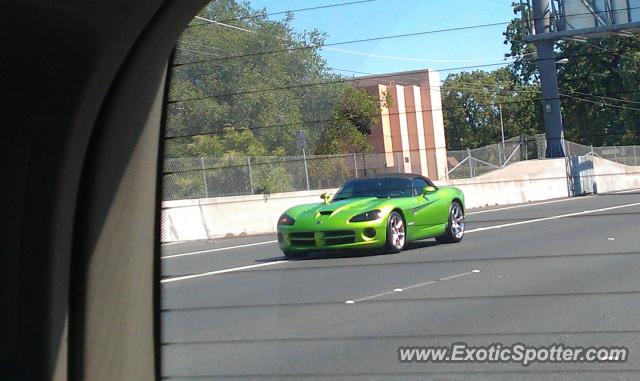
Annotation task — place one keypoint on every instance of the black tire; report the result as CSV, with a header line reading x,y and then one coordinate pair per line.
x,y
396,239
453,234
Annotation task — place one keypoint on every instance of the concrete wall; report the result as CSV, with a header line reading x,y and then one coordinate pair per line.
x,y
207,218
611,176
521,182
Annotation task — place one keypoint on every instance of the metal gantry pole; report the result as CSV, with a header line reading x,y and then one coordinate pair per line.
x,y
306,170
548,80
635,158
204,178
469,158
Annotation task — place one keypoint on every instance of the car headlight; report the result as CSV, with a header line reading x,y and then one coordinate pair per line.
x,y
368,216
286,220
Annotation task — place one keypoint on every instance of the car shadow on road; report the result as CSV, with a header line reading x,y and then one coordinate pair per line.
x,y
333,254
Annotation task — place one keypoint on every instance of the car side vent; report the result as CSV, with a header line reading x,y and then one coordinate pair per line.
x,y
326,212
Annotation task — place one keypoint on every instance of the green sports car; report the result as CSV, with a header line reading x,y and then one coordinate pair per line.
x,y
376,212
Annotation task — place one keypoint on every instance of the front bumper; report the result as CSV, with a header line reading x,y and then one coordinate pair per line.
x,y
301,240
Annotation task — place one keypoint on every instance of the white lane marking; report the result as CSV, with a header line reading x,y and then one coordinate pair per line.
x,y
218,249
396,290
225,271
455,276
475,271
530,204
419,285
373,296
611,239
170,243
551,218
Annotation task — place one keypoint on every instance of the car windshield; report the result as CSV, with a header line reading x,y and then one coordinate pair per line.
x,y
381,188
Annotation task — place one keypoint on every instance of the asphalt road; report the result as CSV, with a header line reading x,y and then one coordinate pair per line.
x,y
564,271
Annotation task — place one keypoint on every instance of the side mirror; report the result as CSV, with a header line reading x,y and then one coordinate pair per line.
x,y
427,190
326,197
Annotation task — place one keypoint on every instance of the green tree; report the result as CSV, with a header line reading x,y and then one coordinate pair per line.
x,y
472,102
249,73
353,116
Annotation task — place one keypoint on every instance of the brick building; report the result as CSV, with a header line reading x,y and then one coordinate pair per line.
x,y
411,131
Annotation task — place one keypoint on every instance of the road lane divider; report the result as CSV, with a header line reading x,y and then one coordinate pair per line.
x,y
551,218
218,272
403,289
217,249
529,204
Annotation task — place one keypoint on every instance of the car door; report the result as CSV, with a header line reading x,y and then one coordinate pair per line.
x,y
425,212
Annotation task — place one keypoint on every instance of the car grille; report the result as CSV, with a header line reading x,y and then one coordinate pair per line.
x,y
339,241
330,238
338,233
309,235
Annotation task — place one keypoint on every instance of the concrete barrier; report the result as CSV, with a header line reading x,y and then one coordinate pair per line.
x,y
525,181
208,218
611,176
533,180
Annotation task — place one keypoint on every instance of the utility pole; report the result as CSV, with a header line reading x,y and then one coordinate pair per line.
x,y
301,141
502,131
548,80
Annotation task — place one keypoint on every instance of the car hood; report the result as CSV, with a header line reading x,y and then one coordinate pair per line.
x,y
341,210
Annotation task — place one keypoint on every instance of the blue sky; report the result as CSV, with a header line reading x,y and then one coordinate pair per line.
x,y
393,17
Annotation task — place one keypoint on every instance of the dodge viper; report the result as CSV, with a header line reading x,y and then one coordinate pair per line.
x,y
385,212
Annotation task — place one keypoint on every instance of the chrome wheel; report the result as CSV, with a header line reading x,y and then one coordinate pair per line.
x,y
455,226
457,221
396,225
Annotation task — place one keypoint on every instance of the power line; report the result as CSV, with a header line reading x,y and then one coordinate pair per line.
x,y
609,98
370,39
301,123
411,59
600,103
343,80
287,11
324,47
349,42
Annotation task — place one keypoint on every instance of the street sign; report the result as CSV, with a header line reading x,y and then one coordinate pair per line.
x,y
579,19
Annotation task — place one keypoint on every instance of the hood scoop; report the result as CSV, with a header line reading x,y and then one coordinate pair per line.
x,y
326,212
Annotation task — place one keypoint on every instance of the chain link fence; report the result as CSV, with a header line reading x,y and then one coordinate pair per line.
x,y
203,177
478,161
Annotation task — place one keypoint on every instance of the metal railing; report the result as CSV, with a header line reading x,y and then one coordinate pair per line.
x,y
474,162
